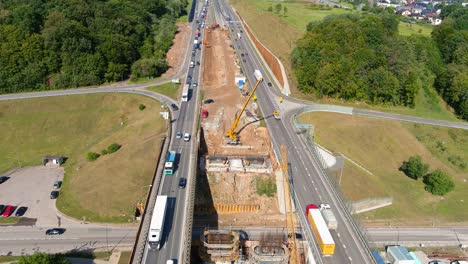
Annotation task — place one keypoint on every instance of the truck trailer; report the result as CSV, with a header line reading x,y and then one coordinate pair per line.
x,y
329,218
169,164
320,230
157,223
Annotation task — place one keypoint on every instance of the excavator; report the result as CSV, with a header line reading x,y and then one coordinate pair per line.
x,y
233,137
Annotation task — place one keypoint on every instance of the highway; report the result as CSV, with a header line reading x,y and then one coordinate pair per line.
x,y
172,246
309,183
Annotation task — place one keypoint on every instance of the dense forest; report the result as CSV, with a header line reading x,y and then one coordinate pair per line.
x,y
362,57
452,39
48,44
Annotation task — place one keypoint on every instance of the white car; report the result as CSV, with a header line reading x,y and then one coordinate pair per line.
x,y
324,206
178,135
186,137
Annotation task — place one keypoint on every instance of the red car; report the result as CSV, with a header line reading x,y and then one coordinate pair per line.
x,y
8,211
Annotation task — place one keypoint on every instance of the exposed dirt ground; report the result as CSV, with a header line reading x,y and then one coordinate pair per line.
x,y
219,71
220,67
176,54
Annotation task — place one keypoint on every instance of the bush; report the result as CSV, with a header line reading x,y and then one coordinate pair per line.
x,y
92,156
265,186
414,167
104,152
43,258
141,107
113,148
438,183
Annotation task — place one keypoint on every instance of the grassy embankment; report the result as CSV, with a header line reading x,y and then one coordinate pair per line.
x,y
381,146
107,189
291,26
169,89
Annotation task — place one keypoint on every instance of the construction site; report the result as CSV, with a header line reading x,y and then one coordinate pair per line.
x,y
239,181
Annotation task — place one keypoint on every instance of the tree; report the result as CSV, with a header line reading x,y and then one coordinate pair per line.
x,y
270,9
414,167
113,148
285,10
438,183
42,258
278,8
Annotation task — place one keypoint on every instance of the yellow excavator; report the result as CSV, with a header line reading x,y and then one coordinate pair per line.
x,y
231,134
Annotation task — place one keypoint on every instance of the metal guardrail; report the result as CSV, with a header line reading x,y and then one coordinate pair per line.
x,y
358,227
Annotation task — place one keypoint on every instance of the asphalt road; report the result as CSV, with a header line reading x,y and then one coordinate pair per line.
x,y
410,237
309,183
173,236
27,240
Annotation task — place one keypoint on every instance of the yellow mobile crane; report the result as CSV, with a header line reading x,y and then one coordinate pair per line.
x,y
234,138
292,245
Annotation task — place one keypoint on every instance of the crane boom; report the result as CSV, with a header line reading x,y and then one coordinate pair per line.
x,y
231,134
292,245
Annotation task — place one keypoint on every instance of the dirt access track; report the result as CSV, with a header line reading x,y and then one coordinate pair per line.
x,y
176,54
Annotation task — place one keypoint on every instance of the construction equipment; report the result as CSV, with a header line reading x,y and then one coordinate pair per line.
x,y
292,245
231,134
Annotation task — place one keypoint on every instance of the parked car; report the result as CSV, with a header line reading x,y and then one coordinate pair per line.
x,y
174,107
21,211
55,231
182,183
178,134
4,179
57,184
208,101
186,137
54,194
8,211
2,207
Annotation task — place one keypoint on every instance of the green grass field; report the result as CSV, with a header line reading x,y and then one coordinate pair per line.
x,y
381,146
169,89
8,220
407,29
105,190
125,257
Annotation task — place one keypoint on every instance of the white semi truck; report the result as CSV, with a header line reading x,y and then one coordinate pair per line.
x,y
157,223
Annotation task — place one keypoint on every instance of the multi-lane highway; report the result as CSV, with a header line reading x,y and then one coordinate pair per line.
x,y
173,234
310,185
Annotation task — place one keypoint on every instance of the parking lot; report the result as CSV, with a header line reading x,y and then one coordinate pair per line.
x,y
31,187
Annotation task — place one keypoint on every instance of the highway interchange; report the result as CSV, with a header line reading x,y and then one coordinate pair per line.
x,y
309,183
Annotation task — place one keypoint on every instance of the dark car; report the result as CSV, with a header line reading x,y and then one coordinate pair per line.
x,y
269,84
55,231
182,183
197,21
189,77
2,207
198,63
21,211
54,194
4,179
174,107
208,101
